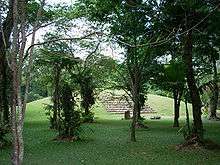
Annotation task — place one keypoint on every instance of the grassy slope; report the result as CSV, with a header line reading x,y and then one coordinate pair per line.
x,y
109,144
164,105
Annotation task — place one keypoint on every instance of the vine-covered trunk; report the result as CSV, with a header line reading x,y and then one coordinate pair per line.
x,y
56,97
5,33
213,104
193,89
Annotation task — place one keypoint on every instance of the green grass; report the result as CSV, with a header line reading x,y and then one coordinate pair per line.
x,y
109,144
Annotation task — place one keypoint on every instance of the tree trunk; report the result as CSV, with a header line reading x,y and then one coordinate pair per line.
x,y
176,109
30,61
17,117
87,110
193,89
5,32
56,98
136,100
177,94
213,105
17,155
141,102
134,120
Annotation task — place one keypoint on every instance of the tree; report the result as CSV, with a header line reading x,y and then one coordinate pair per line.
x,y
188,18
5,32
174,80
85,80
128,34
16,61
70,120
58,59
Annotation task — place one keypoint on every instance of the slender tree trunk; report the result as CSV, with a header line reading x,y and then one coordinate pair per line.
x,y
134,119
142,102
177,94
187,114
136,99
193,89
139,113
213,105
176,108
30,61
86,110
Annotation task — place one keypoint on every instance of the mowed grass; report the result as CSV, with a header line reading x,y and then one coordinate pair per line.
x,y
107,142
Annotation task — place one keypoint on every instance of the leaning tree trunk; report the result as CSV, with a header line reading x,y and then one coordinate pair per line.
x,y
213,105
193,89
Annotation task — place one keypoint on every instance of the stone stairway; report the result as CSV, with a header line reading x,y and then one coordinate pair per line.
x,y
116,104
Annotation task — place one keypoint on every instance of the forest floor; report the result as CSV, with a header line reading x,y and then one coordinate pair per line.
x,y
107,141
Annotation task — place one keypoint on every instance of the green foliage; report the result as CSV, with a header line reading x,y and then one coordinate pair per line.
x,y
50,113
4,131
87,92
69,122
174,73
50,13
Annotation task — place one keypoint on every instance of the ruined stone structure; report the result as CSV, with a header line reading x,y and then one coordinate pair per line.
x,y
120,104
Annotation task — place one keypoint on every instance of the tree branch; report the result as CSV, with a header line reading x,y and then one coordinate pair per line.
x,y
60,39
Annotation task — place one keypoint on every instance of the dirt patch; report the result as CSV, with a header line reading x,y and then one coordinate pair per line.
x,y
195,143
66,138
141,125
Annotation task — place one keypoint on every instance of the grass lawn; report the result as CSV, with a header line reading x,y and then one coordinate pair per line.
x,y
108,143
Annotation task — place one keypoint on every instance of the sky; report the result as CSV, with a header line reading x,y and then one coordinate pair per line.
x,y
106,49
59,1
